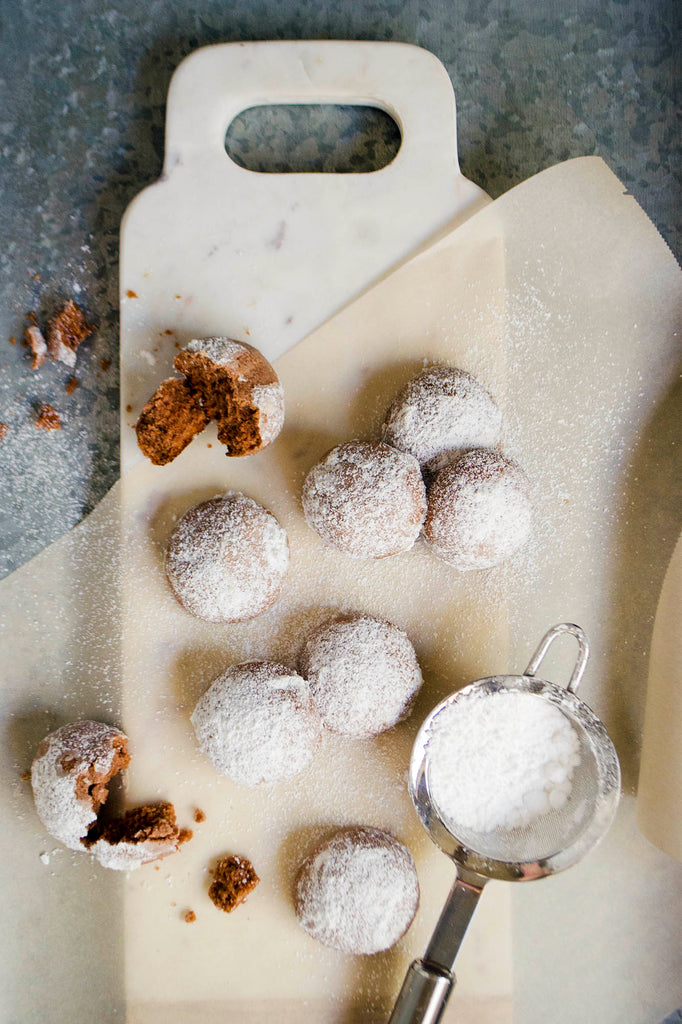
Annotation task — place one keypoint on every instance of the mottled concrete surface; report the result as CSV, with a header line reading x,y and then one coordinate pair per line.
x,y
81,132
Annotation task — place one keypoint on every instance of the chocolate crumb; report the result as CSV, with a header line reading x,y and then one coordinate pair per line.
x,y
234,879
169,332
190,917
4,431
129,408
105,364
71,385
66,331
48,418
33,339
199,816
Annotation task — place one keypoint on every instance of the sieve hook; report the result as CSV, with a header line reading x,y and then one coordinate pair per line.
x,y
543,647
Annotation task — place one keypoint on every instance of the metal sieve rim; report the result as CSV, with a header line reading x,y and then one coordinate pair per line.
x,y
606,797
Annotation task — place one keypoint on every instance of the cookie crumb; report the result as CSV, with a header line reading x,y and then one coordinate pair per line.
x,y
25,776
234,878
199,816
131,294
71,385
4,431
66,331
190,917
12,340
34,339
48,418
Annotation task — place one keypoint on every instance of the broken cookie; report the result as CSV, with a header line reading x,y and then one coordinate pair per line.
x,y
70,776
224,380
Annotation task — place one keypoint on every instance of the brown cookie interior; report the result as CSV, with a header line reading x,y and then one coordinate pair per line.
x,y
95,783
150,823
172,417
226,393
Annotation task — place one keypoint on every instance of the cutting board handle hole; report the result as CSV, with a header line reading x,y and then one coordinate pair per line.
x,y
312,138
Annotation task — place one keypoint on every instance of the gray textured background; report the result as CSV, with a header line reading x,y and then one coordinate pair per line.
x,y
81,129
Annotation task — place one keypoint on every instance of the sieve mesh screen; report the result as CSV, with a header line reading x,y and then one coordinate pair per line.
x,y
552,832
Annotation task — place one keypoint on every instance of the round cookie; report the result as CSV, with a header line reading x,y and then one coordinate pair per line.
x,y
257,723
69,775
479,510
358,892
366,499
441,411
226,559
362,672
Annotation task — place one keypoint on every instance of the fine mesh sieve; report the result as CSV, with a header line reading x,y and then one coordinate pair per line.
x,y
549,844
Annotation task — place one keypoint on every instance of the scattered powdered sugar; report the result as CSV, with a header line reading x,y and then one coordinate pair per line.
x,y
363,673
359,892
479,512
257,723
269,400
440,411
220,350
226,559
64,757
366,499
500,760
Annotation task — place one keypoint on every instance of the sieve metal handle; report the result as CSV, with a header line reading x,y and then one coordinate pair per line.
x,y
549,637
429,981
423,996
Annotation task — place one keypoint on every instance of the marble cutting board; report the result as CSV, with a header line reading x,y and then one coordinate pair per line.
x,y
212,247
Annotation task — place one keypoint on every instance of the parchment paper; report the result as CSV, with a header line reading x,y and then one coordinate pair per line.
x,y
579,346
